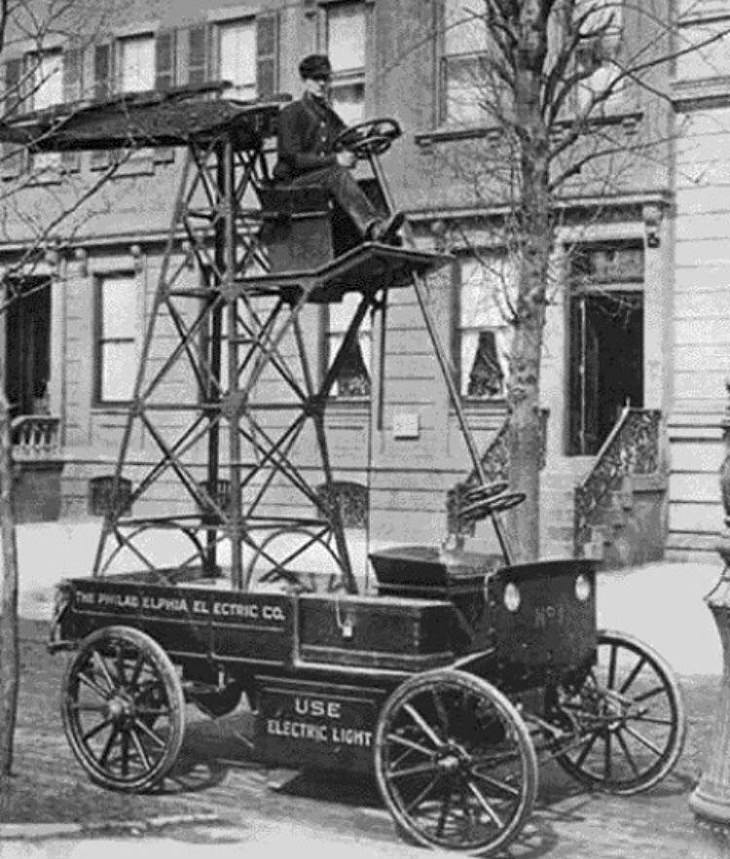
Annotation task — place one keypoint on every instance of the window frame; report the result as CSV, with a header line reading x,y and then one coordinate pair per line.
x,y
118,63
98,381
442,62
357,76
218,28
329,334
46,166
502,332
610,44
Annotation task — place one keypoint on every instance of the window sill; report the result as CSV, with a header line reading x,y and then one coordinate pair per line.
x,y
348,403
103,408
694,94
447,134
482,414
483,404
52,177
139,164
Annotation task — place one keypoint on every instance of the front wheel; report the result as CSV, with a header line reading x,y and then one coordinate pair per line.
x,y
629,718
455,763
123,709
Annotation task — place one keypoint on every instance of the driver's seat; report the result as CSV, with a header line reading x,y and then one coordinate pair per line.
x,y
304,229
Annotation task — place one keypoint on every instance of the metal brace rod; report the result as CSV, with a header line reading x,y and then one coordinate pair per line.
x,y
419,286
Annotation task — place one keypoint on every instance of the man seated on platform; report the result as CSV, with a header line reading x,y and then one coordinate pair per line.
x,y
308,129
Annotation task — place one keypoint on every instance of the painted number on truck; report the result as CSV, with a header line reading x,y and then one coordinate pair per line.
x,y
551,614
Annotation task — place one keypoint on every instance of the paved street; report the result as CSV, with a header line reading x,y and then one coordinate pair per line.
x,y
238,808
224,803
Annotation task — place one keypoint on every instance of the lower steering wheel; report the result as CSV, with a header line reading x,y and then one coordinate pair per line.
x,y
484,507
372,137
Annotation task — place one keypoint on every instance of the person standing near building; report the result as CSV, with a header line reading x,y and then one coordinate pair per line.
x,y
308,129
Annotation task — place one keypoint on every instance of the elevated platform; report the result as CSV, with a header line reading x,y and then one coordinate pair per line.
x,y
367,268
175,117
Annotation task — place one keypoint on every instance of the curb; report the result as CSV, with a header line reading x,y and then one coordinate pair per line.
x,y
37,831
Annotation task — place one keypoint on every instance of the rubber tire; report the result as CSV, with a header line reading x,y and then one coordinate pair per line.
x,y
165,670
679,733
422,682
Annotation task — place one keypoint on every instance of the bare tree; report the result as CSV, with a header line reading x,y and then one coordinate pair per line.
x,y
540,78
48,214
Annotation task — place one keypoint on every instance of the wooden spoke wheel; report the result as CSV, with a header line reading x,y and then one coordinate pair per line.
x,y
123,709
455,763
629,716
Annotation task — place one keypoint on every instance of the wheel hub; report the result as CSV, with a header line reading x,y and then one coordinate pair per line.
x,y
452,758
120,709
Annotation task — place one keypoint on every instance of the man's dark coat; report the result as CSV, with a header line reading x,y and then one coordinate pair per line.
x,y
307,131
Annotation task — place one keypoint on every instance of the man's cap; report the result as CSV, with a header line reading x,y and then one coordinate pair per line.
x,y
314,65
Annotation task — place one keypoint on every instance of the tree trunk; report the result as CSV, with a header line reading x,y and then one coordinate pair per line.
x,y
9,646
525,442
533,243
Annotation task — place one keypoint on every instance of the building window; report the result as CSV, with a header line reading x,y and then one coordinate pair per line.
x,y
699,57
137,63
483,332
597,54
117,326
237,57
353,378
346,48
606,339
47,90
463,63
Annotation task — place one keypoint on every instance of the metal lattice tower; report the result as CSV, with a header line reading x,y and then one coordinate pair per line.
x,y
227,394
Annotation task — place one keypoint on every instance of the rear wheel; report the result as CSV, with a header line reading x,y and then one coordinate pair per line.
x,y
123,709
454,763
629,716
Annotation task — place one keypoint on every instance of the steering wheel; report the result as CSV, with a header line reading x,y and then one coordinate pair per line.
x,y
372,137
484,491
485,506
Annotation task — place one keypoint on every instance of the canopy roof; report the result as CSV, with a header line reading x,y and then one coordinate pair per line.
x,y
175,117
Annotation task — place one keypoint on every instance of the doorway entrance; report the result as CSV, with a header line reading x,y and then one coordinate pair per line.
x,y
28,348
606,364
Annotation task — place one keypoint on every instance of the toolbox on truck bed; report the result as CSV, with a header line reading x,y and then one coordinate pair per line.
x,y
375,632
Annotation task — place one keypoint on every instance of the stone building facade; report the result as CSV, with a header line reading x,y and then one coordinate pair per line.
x,y
638,298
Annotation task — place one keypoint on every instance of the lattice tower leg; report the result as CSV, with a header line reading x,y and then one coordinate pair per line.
x,y
220,431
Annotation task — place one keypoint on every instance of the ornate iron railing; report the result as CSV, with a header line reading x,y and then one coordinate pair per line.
x,y
632,447
35,437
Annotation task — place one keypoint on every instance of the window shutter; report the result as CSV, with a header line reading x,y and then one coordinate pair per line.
x,y
165,78
267,55
197,54
165,57
13,157
99,158
102,71
72,65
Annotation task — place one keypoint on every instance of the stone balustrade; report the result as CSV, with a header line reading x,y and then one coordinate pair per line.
x,y
35,437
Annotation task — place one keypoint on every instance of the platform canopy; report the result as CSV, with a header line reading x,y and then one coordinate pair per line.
x,y
175,117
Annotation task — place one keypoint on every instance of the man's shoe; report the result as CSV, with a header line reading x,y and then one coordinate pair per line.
x,y
386,231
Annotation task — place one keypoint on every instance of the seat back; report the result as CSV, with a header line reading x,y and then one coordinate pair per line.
x,y
297,228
